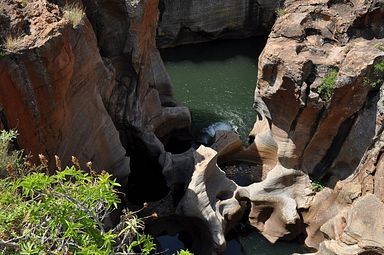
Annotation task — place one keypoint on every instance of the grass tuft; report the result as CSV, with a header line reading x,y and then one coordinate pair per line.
x,y
327,87
74,14
13,44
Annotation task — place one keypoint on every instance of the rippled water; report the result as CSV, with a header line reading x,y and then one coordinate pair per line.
x,y
216,81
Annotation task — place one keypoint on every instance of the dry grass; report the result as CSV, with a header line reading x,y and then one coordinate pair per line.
x,y
2,7
74,14
13,44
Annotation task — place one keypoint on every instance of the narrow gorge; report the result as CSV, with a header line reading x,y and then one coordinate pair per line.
x,y
249,127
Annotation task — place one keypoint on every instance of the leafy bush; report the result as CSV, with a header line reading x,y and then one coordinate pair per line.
x,y
325,90
9,159
316,186
184,252
379,46
74,14
377,78
63,213
280,12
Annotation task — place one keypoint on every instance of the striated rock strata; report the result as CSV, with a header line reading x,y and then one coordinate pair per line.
x,y
192,21
50,90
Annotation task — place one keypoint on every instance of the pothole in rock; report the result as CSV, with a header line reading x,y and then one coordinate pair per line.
x,y
243,174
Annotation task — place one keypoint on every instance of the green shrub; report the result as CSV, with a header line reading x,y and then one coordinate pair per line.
x,y
184,252
325,90
280,12
379,46
316,186
377,78
63,213
9,159
74,14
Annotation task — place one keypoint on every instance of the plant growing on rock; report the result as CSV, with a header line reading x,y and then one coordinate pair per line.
x,y
316,186
377,78
13,44
379,46
74,14
325,90
63,213
280,12
9,158
184,252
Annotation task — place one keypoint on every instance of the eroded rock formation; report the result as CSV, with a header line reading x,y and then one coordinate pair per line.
x,y
274,202
320,100
322,135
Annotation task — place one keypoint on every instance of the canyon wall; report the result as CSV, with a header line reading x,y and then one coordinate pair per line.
x,y
50,89
315,48
70,91
184,22
320,102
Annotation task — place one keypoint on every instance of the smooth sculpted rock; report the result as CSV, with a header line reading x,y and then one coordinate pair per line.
x,y
50,89
210,196
192,21
275,201
355,230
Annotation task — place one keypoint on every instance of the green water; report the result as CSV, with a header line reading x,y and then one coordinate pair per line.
x,y
216,81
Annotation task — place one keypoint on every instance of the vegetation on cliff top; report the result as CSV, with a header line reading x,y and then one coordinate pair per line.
x,y
61,213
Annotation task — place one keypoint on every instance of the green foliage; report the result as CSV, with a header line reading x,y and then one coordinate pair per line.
x,y
280,12
63,213
379,46
74,14
327,87
184,252
316,186
377,78
9,159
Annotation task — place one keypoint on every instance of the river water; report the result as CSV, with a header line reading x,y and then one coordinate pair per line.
x,y
216,81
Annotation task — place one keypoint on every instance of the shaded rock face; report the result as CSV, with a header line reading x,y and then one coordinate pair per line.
x,y
325,136
51,90
192,21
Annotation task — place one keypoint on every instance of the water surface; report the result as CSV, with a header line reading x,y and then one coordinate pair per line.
x,y
216,81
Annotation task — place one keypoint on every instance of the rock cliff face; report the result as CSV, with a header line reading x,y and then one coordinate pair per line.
x,y
73,92
320,100
322,50
50,89
183,22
